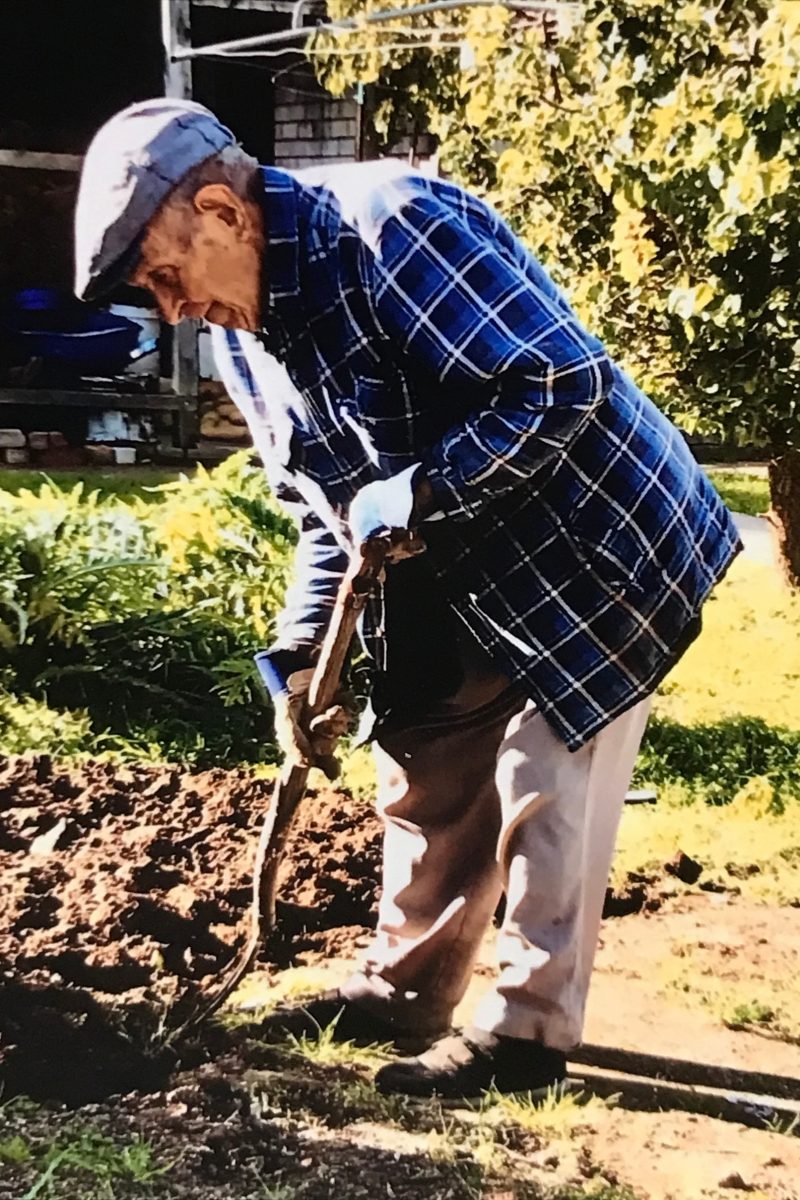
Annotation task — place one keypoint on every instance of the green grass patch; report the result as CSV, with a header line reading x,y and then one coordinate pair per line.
x,y
559,1114
15,1150
125,483
746,662
722,748
324,1049
742,492
86,1162
718,759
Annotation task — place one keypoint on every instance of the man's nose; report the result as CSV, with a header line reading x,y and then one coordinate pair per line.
x,y
170,306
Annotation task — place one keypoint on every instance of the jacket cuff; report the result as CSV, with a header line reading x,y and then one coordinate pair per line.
x,y
275,667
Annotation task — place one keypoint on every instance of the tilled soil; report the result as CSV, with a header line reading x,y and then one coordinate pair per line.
x,y
126,891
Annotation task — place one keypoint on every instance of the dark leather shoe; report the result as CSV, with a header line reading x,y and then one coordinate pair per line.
x,y
351,1020
463,1066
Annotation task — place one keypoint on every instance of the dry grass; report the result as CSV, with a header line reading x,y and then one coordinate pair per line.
x,y
747,659
743,844
560,1114
758,1005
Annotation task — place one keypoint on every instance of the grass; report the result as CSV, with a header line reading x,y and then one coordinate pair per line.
x,y
742,491
743,844
277,1191
325,1050
358,773
764,1005
259,995
15,1150
124,483
361,1097
560,1114
87,1159
747,659
749,1013
726,728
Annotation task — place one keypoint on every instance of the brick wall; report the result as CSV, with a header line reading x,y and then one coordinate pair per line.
x,y
310,125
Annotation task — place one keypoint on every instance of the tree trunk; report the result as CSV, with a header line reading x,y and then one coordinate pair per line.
x,y
784,483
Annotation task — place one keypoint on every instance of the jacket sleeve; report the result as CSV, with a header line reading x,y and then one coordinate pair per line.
x,y
464,309
319,566
319,562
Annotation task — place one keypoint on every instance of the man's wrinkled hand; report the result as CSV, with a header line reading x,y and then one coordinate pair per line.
x,y
308,741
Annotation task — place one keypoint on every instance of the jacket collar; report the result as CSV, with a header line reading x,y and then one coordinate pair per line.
x,y
279,203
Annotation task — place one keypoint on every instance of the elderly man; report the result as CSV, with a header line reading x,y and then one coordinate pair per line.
x,y
405,363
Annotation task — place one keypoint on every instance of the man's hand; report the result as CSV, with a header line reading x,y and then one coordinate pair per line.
x,y
304,742
399,503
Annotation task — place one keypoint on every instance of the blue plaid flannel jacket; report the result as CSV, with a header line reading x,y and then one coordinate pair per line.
x,y
406,323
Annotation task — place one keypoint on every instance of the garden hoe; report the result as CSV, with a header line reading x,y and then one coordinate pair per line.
x,y
365,572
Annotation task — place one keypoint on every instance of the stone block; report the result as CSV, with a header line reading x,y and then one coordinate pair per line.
x,y
17,456
341,128
289,112
12,439
61,456
38,440
100,456
305,150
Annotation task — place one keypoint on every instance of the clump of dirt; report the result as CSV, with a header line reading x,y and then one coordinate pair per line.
x,y
127,889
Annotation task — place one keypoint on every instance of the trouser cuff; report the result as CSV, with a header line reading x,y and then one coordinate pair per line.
x,y
406,1011
504,1019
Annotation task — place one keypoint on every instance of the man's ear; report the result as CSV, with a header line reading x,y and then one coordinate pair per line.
x,y
220,200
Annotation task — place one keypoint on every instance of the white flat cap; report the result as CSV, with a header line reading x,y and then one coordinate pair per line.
x,y
133,163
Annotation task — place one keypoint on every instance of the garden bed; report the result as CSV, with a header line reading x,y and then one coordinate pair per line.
x,y
126,892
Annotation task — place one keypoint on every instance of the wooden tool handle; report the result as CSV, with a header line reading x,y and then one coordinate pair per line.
x,y
364,573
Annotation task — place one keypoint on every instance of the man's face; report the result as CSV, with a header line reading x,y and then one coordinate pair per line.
x,y
202,258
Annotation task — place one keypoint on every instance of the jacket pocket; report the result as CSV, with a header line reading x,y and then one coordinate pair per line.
x,y
621,559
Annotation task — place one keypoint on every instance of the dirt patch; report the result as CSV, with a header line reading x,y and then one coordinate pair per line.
x,y
126,890
667,982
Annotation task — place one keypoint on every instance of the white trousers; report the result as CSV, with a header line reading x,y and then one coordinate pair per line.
x,y
478,800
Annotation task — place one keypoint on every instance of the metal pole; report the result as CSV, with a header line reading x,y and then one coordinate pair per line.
x,y
287,35
176,25
176,17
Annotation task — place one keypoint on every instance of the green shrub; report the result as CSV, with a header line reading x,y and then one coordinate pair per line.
x,y
28,725
143,616
742,492
720,757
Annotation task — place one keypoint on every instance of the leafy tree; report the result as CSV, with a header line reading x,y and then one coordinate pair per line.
x,y
651,157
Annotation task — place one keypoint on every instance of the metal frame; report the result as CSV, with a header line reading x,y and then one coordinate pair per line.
x,y
40,160
176,26
241,46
